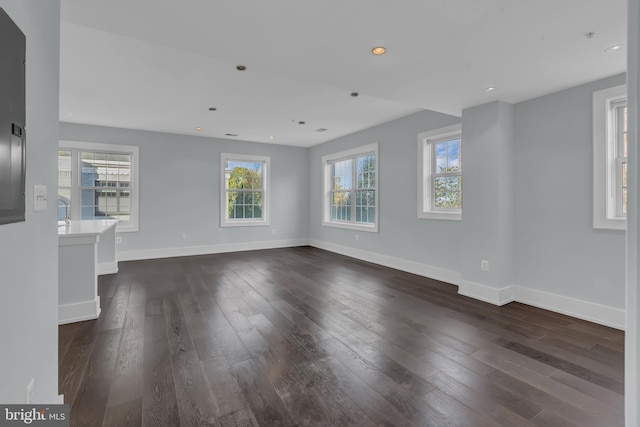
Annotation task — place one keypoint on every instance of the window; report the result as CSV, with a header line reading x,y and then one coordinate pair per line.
x,y
351,189
98,181
610,158
244,190
440,173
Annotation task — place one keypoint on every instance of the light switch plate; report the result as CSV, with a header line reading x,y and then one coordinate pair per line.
x,y
39,198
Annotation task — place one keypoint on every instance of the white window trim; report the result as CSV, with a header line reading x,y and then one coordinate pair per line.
x,y
605,215
266,199
425,173
326,190
134,184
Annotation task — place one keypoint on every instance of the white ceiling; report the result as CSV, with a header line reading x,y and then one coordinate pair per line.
x,y
160,64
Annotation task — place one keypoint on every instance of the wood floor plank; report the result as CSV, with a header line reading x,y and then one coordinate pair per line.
x,y
266,405
241,418
91,402
301,337
128,414
127,379
227,395
159,404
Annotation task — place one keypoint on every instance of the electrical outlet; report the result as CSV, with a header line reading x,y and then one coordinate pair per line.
x,y
31,391
118,239
183,236
484,265
357,237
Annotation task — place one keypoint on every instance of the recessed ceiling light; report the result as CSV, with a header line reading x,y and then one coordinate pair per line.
x,y
354,94
379,50
231,134
321,130
241,68
301,122
614,48
212,108
198,129
272,137
491,89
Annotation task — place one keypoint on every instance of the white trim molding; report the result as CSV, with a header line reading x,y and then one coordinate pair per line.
x,y
134,183
107,268
78,311
208,249
426,171
413,267
592,312
585,310
605,179
495,296
266,190
327,187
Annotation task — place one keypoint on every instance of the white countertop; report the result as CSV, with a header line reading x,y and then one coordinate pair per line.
x,y
85,228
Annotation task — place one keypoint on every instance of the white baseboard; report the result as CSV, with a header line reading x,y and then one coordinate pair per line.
x,y
592,312
208,249
107,268
413,267
596,313
486,293
79,311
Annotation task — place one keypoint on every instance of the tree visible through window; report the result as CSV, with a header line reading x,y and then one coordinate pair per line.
x,y
244,190
440,173
349,203
447,176
350,188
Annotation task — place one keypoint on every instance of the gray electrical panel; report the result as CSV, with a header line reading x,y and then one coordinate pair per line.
x,y
12,121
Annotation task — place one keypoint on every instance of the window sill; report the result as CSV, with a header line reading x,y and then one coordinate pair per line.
x,y
351,226
451,216
610,224
244,224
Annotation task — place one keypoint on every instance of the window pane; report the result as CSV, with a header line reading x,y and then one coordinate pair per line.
x,y
243,175
448,192
342,175
88,212
341,201
453,153
88,197
64,168
366,171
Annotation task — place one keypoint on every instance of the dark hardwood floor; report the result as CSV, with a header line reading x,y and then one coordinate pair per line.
x,y
301,336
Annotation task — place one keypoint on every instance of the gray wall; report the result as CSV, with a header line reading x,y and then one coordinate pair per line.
x,y
487,218
543,224
180,188
557,249
29,250
402,234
